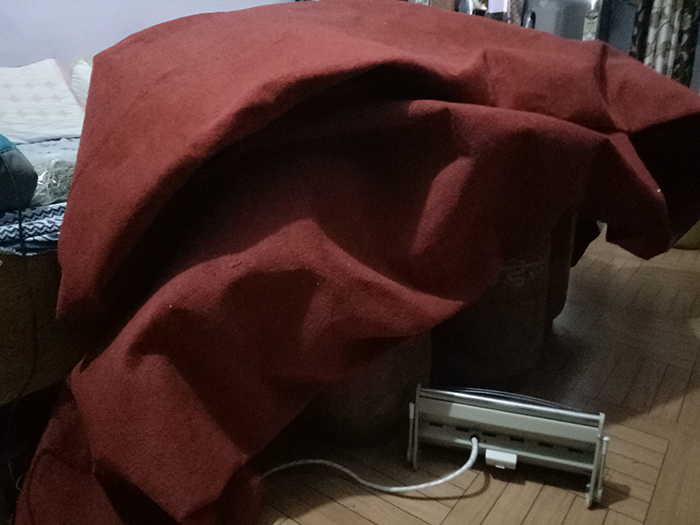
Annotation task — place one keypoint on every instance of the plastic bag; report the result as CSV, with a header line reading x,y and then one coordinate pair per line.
x,y
54,162
53,183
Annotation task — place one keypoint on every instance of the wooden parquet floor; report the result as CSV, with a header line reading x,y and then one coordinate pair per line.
x,y
626,344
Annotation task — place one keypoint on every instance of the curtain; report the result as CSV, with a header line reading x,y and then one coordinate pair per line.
x,y
514,14
665,35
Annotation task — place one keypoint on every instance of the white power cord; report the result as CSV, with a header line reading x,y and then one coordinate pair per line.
x,y
469,464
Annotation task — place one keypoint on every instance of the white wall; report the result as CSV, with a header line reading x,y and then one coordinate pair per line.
x,y
31,30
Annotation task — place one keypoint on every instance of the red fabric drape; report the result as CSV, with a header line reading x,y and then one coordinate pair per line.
x,y
266,199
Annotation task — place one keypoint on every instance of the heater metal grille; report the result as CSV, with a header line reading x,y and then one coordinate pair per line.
x,y
511,430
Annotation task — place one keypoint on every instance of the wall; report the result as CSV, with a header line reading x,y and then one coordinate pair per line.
x,y
621,24
31,30
561,17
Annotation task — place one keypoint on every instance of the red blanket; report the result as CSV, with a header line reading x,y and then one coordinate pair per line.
x,y
266,199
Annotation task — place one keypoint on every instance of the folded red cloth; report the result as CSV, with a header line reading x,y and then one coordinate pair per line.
x,y
266,199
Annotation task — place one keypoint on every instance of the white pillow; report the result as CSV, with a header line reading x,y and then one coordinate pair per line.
x,y
36,104
80,80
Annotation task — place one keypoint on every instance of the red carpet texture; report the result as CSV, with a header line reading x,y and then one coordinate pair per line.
x,y
266,199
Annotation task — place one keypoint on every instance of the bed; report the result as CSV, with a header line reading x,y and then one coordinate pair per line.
x,y
41,118
268,200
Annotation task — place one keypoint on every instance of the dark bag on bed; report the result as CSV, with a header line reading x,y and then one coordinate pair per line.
x,y
17,178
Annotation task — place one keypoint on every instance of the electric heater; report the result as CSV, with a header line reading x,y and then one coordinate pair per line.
x,y
511,428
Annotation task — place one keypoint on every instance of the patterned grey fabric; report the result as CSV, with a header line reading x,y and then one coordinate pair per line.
x,y
40,228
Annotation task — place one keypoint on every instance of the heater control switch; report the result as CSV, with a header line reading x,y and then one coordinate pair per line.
x,y
502,460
